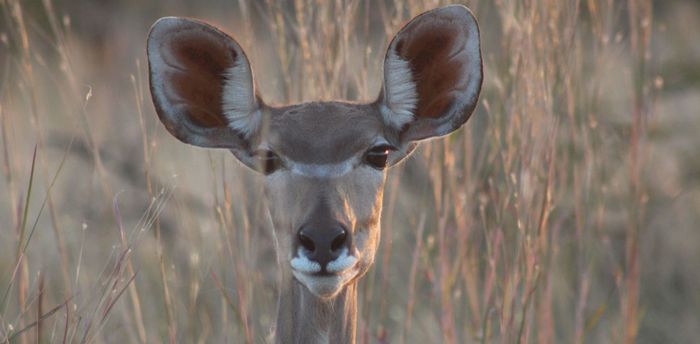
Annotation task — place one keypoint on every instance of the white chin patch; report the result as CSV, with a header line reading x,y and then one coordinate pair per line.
x,y
341,269
321,286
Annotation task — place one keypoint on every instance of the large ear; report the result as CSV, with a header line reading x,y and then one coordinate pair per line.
x,y
202,85
432,74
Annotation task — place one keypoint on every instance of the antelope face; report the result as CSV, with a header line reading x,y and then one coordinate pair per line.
x,y
324,163
325,169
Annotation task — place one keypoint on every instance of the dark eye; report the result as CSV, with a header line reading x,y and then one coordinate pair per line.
x,y
268,161
378,155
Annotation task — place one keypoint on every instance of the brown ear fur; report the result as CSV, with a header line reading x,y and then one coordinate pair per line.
x,y
197,75
430,54
443,51
187,63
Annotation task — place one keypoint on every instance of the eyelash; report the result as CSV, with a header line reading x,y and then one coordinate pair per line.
x,y
378,156
268,161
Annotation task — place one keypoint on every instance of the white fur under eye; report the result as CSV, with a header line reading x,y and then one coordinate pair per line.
x,y
239,104
323,170
400,96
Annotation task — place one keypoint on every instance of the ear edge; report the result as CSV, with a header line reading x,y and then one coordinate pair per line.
x,y
190,133
462,106
235,129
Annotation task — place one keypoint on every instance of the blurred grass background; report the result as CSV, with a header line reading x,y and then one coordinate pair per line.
x,y
567,210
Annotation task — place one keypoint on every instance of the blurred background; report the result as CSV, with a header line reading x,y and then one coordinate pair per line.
x,y
566,210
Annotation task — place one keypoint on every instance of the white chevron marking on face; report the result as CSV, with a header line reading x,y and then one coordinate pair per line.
x,y
324,170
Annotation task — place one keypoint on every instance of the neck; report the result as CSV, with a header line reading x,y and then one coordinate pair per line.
x,y
305,318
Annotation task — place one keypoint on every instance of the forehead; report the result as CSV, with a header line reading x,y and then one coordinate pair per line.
x,y
323,132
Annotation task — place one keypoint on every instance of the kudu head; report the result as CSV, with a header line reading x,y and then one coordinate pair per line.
x,y
324,163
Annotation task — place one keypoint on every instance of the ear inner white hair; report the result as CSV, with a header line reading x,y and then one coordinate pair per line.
x,y
239,104
400,96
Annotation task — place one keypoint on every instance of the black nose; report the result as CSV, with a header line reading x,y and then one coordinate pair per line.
x,y
323,244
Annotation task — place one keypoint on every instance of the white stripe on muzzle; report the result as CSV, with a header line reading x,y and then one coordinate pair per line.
x,y
342,263
302,263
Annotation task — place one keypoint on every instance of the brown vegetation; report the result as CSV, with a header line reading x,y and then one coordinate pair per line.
x,y
565,211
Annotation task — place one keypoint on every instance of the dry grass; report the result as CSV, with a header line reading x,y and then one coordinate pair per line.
x,y
566,211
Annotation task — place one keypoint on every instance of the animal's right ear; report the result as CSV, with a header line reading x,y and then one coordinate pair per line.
x,y
202,86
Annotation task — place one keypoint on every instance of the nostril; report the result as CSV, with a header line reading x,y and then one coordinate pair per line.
x,y
339,241
306,242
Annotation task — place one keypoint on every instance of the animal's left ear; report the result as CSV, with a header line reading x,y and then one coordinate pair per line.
x,y
432,75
